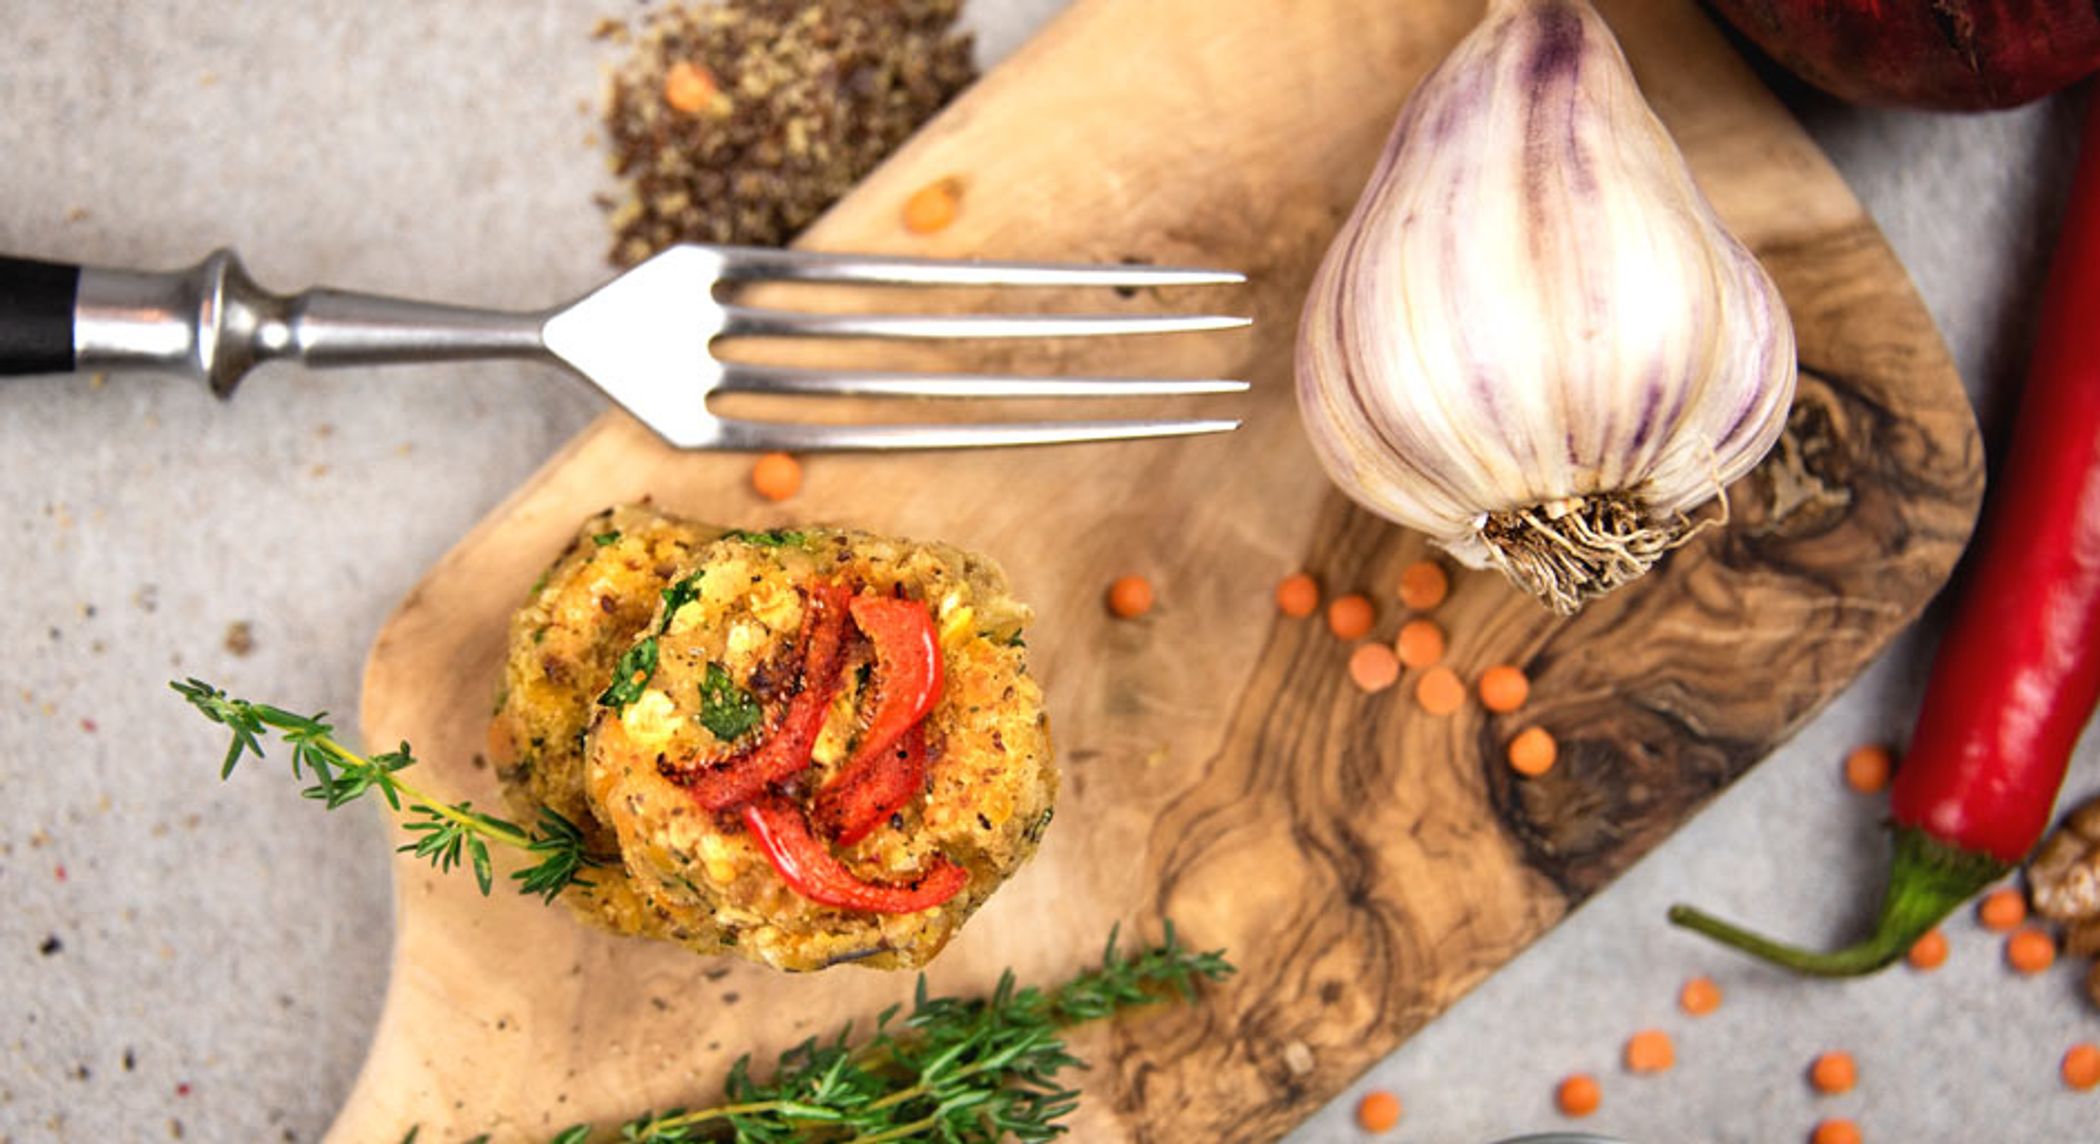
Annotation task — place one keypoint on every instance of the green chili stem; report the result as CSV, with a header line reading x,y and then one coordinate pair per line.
x,y
1928,879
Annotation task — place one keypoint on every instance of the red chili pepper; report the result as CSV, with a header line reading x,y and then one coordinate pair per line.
x,y
2018,671
888,768
810,869
786,752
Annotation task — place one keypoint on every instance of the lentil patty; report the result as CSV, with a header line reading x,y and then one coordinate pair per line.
x,y
584,613
725,645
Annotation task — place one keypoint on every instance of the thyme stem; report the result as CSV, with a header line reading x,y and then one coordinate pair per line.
x,y
419,799
445,833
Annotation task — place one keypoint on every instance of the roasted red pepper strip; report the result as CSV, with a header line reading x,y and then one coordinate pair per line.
x,y
888,768
810,869
786,752
2018,671
907,666
871,788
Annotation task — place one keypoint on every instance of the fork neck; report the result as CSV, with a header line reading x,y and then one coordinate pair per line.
x,y
213,322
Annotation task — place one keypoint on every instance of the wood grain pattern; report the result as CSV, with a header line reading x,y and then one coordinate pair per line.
x,y
1364,864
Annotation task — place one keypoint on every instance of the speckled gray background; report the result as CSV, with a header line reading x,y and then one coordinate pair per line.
x,y
184,959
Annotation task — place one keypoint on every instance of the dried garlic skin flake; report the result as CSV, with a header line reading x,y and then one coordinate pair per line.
x,y
2064,877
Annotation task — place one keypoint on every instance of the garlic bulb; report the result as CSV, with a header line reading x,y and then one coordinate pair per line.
x,y
1533,340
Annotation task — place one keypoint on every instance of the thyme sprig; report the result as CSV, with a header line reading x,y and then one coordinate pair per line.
x,y
445,834
950,1069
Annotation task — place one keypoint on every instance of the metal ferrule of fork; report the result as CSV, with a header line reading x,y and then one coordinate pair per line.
x,y
212,322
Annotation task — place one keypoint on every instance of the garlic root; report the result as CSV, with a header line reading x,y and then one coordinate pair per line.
x,y
1582,551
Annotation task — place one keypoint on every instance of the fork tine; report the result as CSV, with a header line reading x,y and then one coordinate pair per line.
x,y
749,263
752,322
795,437
738,377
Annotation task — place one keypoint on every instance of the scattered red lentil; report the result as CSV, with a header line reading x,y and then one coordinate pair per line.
x,y
1836,1130
2081,1067
1440,692
2030,950
1374,667
1928,952
1349,617
1699,996
934,206
1420,644
1297,596
1833,1072
776,476
1378,1111
1423,585
1578,1095
2002,910
1867,768
690,88
1533,752
1503,688
1129,597
1650,1051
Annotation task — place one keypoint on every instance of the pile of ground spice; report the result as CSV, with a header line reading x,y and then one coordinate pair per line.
x,y
741,121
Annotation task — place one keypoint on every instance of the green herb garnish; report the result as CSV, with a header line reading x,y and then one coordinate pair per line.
x,y
771,538
445,834
605,538
677,596
726,710
637,664
951,1069
631,675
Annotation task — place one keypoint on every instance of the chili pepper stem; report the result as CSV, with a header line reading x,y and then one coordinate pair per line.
x,y
1928,880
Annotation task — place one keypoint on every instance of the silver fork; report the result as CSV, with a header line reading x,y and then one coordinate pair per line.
x,y
646,339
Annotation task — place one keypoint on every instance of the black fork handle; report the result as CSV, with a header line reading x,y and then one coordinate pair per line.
x,y
36,316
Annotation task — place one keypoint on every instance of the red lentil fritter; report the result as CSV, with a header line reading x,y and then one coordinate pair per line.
x,y
799,648
584,613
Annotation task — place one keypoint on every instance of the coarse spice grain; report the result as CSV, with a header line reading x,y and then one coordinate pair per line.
x,y
808,96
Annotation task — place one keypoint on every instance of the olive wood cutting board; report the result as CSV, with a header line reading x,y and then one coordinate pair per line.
x,y
1364,864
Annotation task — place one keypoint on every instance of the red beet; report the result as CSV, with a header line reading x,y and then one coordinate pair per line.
x,y
1946,55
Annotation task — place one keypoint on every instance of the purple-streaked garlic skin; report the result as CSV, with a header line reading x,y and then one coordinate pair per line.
x,y
1532,301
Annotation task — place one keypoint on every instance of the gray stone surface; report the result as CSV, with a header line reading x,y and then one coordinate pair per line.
x,y
181,958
